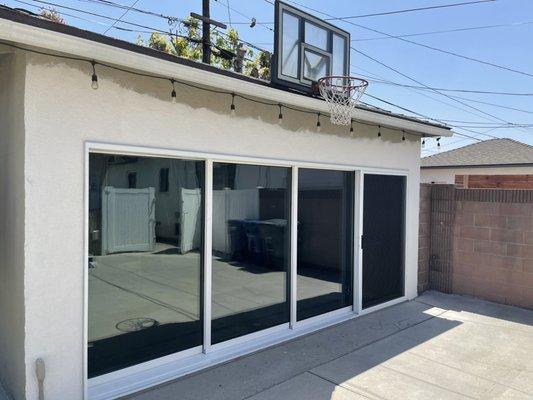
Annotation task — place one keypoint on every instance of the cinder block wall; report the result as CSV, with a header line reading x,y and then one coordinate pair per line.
x,y
493,251
424,237
492,245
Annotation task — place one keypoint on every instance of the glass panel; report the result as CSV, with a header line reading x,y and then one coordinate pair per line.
x,y
383,238
316,36
145,258
251,240
338,64
290,45
325,241
315,65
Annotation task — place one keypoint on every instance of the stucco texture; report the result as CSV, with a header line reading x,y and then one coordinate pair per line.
x,y
12,75
63,112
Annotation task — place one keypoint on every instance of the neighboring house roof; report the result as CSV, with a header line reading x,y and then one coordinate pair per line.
x,y
494,152
19,27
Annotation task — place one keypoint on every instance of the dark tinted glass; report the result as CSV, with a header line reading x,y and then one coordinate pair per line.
x,y
251,206
383,238
145,248
325,241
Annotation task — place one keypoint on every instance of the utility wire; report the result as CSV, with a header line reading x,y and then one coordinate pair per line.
x,y
148,29
448,104
409,10
374,78
529,94
437,100
423,116
488,63
168,18
471,28
420,83
123,15
399,72
245,16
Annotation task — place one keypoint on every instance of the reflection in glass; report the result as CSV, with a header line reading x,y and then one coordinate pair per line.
x,y
251,242
315,65
316,36
289,50
145,252
325,241
338,64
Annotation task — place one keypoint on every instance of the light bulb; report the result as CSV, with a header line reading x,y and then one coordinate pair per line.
x,y
94,83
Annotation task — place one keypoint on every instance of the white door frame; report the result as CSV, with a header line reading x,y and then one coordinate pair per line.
x,y
160,370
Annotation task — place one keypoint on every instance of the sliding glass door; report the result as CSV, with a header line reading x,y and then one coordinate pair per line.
x,y
147,292
145,259
251,249
325,241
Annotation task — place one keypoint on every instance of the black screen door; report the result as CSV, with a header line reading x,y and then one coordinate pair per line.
x,y
383,238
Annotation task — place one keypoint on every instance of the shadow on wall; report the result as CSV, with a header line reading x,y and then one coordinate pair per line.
x,y
219,103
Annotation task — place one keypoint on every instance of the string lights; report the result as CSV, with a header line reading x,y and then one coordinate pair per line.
x,y
173,94
351,127
232,106
94,78
438,143
423,141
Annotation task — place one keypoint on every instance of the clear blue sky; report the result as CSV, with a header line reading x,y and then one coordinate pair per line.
x,y
509,46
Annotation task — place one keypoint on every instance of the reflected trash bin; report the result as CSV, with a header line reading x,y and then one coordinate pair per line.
x,y
237,239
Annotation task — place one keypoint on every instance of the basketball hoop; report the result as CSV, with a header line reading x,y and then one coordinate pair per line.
x,y
341,93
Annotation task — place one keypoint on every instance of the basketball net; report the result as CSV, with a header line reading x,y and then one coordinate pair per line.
x,y
342,93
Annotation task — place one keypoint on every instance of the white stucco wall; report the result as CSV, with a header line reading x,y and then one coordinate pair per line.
x,y
12,377
447,175
62,112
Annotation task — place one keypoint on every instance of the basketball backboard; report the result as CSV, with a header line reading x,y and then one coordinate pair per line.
x,y
306,48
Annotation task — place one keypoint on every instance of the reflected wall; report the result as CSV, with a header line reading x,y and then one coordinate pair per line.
x,y
325,241
145,259
251,241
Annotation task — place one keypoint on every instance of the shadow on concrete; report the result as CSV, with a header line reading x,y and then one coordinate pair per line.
x,y
271,374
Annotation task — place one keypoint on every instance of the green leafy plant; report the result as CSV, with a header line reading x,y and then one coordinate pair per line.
x,y
228,52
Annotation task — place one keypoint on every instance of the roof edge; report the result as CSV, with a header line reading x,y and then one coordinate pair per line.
x,y
476,166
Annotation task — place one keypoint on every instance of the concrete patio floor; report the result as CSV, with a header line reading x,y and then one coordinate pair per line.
x,y
435,347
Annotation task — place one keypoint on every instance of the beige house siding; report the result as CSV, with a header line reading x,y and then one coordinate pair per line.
x,y
447,175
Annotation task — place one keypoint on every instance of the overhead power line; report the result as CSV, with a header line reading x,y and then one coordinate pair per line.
x,y
469,28
438,100
448,52
401,73
123,15
148,28
491,92
420,83
423,116
375,78
409,10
